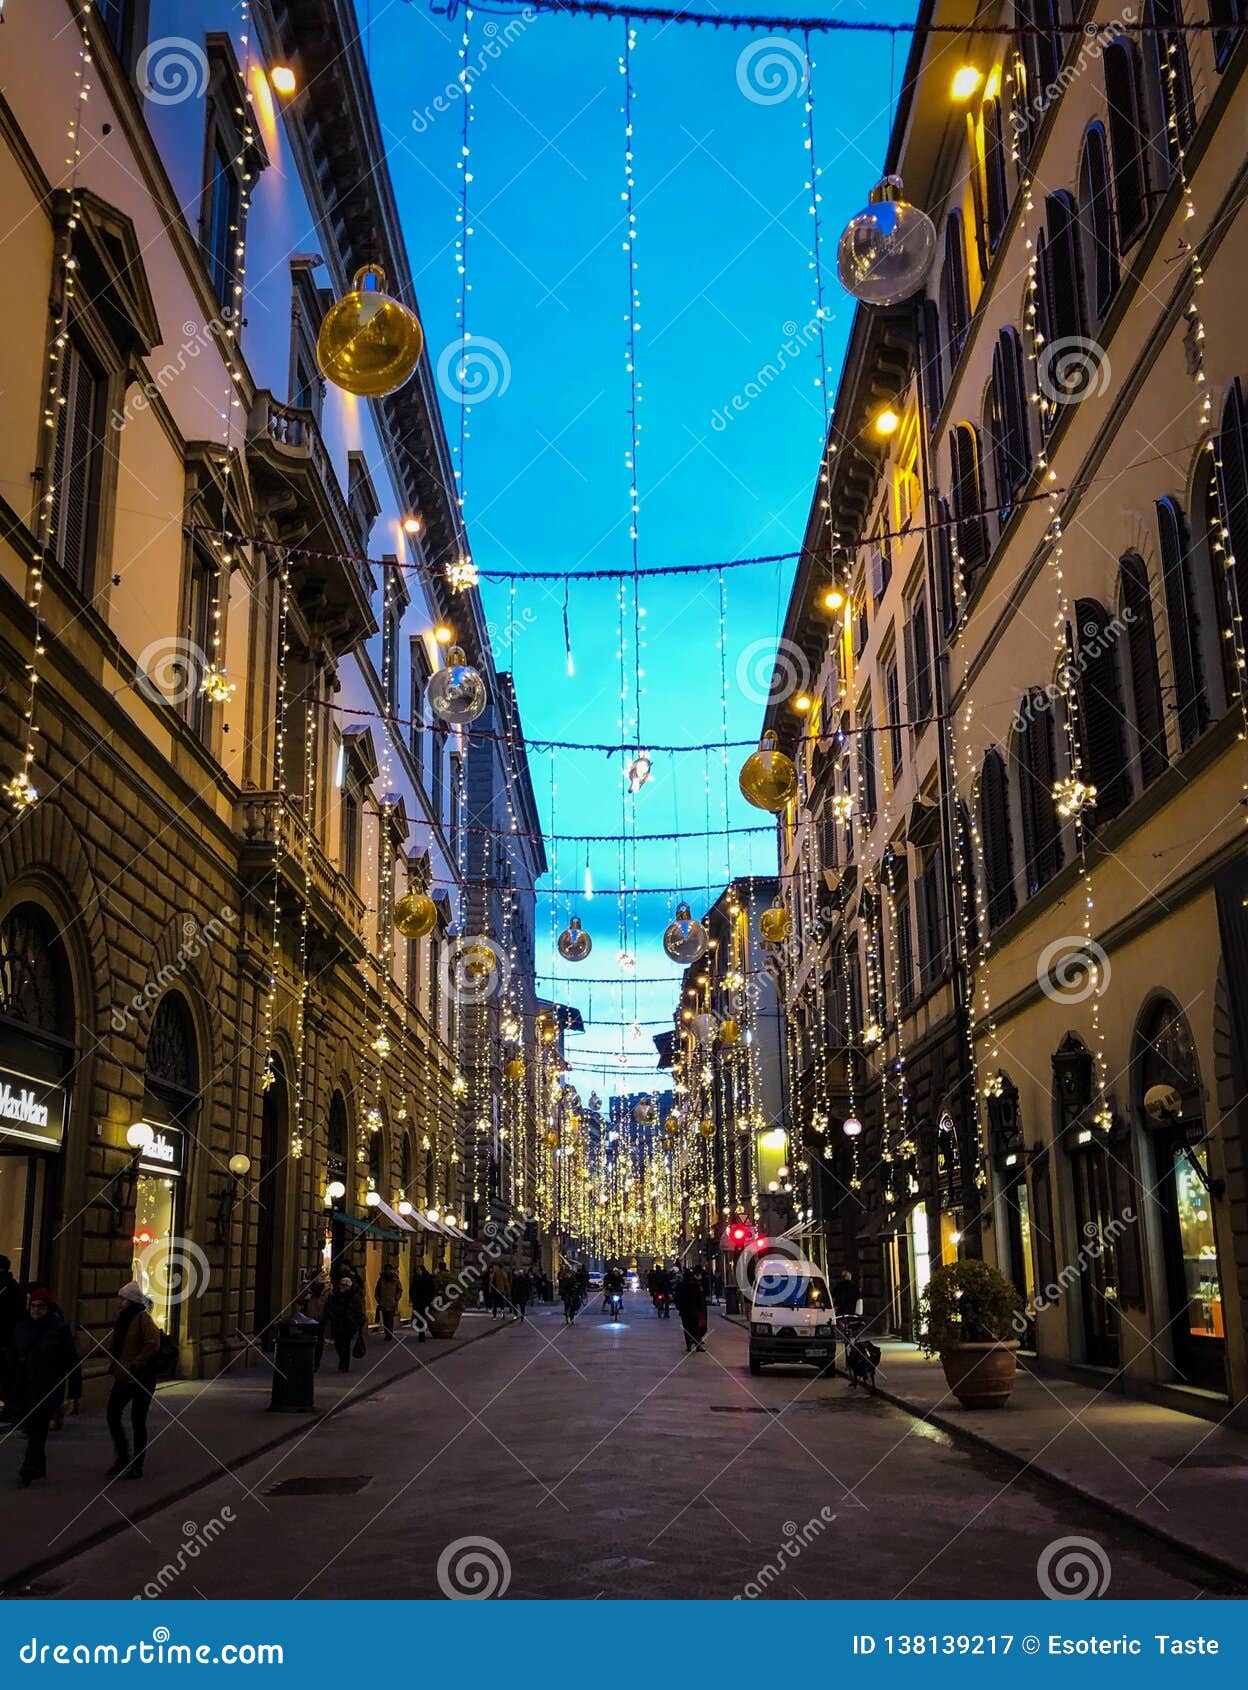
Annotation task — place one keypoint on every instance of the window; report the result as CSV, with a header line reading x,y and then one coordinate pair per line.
x,y
1102,744
1224,13
420,679
954,296
77,463
1128,139
438,774
933,365
1233,485
350,856
994,833
943,540
307,307
966,878
867,798
363,504
892,703
1059,306
1011,442
221,226
228,158
126,23
918,660
1035,759
392,621
202,587
1183,619
1041,49
996,182
929,897
880,570
1172,75
1137,607
905,947
968,499
1096,223
457,767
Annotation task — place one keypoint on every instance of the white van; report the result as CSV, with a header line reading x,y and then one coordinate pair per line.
x,y
792,1321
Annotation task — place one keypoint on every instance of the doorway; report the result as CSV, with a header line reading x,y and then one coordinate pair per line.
x,y
270,1198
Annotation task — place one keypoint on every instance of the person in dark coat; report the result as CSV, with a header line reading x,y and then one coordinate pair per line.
x,y
345,1316
387,1294
421,1291
690,1300
521,1291
12,1309
134,1345
46,1369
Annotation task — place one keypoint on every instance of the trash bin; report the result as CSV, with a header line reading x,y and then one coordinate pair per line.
x,y
732,1299
294,1356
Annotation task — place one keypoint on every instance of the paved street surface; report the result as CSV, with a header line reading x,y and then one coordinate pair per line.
x,y
601,1461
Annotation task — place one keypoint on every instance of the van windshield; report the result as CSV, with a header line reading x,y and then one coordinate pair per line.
x,y
781,1290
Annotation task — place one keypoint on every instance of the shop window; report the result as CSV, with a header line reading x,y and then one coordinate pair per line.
x,y
170,1109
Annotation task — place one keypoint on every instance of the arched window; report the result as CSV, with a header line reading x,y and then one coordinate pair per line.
x,y
1096,223
1225,39
1171,75
36,988
1191,701
1129,131
1211,553
933,363
1035,760
966,878
1059,305
955,299
1041,50
943,540
171,1065
1137,610
1011,440
377,1158
431,1177
1102,744
336,1129
996,179
994,834
968,498
1233,485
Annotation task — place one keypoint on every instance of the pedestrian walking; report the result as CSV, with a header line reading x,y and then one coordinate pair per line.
x,y
846,1295
345,1316
12,1309
388,1293
134,1345
521,1290
46,1370
421,1292
500,1289
314,1305
690,1300
569,1295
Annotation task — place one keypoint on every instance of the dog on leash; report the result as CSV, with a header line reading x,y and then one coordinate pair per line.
x,y
862,1357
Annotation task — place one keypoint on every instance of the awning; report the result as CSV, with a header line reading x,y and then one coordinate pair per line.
x,y
366,1227
403,1224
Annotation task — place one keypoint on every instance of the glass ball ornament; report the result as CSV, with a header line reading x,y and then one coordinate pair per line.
x,y
851,1126
456,694
415,915
644,1113
671,1126
768,779
887,250
515,1068
574,943
369,343
729,1030
706,1027
707,1129
775,924
684,939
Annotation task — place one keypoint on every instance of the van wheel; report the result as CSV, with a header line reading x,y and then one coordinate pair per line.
x,y
756,1367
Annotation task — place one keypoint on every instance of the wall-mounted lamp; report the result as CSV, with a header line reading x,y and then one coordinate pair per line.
x,y
227,1199
335,1191
139,1136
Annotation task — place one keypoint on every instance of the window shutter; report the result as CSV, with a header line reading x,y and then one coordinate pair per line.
x,y
953,287
918,662
1233,485
1190,699
996,186
995,839
968,499
933,367
969,914
1102,741
1145,677
1170,52
1127,131
1096,215
75,464
1063,276
1037,758
1015,413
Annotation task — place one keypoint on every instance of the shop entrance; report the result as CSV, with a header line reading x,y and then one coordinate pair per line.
x,y
270,1194
163,1263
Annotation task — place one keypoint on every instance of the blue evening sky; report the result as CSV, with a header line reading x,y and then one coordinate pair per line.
x,y
723,249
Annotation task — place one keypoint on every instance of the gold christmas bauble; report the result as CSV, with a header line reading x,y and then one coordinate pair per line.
x,y
369,344
775,924
415,915
515,1068
671,1126
707,1129
729,1030
768,779
552,1139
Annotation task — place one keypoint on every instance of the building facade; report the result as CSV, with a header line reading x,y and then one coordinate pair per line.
x,y
1025,768
223,1065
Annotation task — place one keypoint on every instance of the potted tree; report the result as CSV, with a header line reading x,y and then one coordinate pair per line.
x,y
968,1316
447,1308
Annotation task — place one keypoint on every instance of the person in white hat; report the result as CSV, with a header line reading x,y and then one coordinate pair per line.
x,y
134,1346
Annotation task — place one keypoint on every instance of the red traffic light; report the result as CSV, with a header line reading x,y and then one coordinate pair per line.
x,y
739,1234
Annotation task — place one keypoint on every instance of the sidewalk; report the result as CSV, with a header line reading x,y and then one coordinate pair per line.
x,y
1182,1478
198,1429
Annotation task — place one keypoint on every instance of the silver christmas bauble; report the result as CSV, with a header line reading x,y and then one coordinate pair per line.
x,y
574,943
684,939
456,694
887,250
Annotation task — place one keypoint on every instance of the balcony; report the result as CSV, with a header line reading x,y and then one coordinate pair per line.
x,y
298,495
336,909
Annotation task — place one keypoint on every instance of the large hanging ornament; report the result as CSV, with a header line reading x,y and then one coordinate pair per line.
x,y
645,1113
671,1126
706,1027
684,939
369,343
887,250
775,924
515,1068
456,694
729,1030
768,779
639,771
574,943
707,1129
415,915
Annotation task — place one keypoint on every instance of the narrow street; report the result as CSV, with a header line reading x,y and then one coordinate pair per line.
x,y
602,1462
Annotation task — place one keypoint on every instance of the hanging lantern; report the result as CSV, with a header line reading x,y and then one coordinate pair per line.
x,y
515,1068
851,1126
644,1113
707,1129
574,943
729,1030
706,1027
775,924
768,779
887,250
415,915
369,343
684,939
456,694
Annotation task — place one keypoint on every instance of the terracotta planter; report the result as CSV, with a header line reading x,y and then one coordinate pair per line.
x,y
981,1375
446,1311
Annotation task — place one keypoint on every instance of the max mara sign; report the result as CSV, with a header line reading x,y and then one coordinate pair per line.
x,y
31,1111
